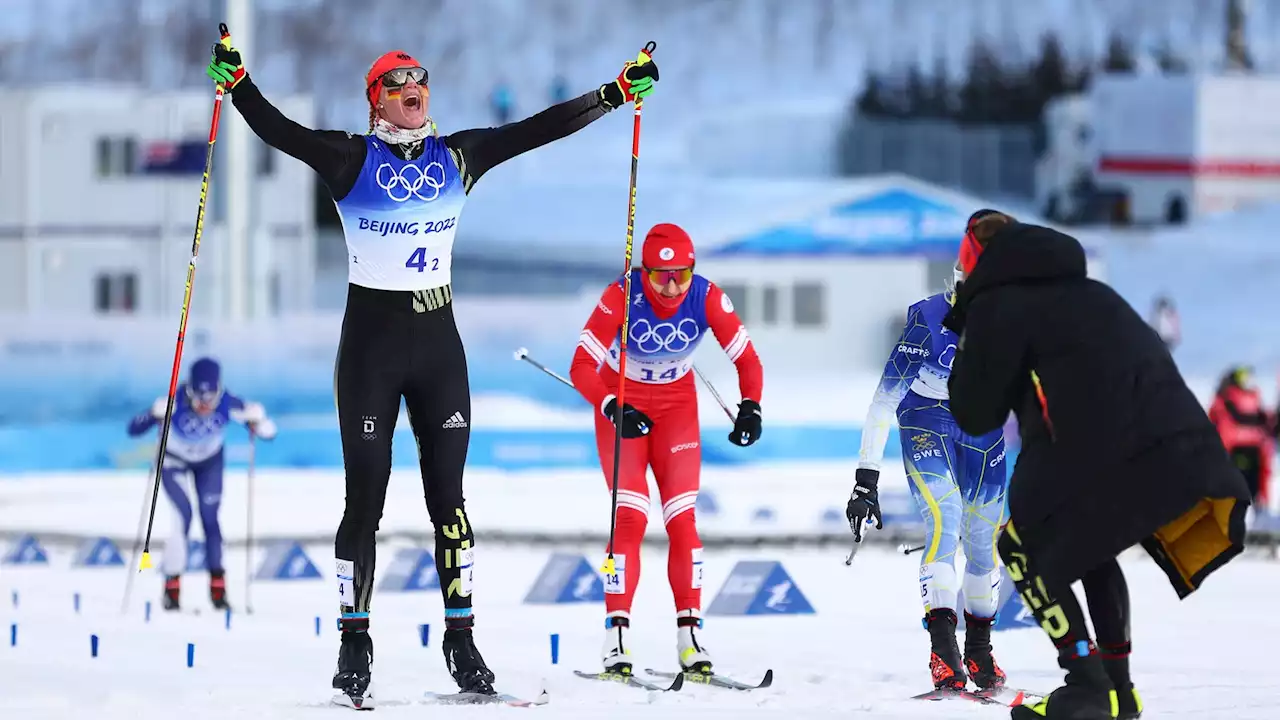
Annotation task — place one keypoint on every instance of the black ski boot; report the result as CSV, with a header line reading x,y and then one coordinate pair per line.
x,y
978,660
464,662
353,676
1115,660
944,661
172,589
218,589
1087,694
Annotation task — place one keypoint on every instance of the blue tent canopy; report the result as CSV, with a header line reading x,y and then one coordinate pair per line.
x,y
889,220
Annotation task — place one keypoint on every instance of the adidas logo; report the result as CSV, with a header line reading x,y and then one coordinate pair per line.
x,y
455,421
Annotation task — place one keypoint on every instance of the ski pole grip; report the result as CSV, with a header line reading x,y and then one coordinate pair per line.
x,y
647,53
224,35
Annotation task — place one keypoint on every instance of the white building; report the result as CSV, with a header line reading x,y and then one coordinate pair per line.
x,y
98,194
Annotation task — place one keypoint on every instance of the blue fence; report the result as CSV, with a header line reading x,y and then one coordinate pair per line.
x,y
104,445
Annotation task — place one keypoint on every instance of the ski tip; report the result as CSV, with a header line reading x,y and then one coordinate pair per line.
x,y
768,679
676,683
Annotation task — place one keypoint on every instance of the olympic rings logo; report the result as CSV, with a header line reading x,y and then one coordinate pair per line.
x,y
195,425
672,337
409,181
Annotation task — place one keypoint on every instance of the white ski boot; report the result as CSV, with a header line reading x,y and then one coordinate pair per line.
x,y
694,656
616,653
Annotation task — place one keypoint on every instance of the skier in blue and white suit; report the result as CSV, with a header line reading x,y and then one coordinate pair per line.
x,y
197,433
958,482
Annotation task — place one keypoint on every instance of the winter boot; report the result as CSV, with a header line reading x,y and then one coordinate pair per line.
x,y
615,656
1115,661
978,660
1087,694
353,676
218,589
172,588
944,662
464,662
694,656
1128,702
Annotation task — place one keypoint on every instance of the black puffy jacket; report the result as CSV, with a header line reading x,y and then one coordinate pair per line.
x,y
1116,449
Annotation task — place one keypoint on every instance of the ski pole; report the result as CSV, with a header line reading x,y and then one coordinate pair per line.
x,y
908,549
610,569
523,354
137,546
186,306
714,394
248,522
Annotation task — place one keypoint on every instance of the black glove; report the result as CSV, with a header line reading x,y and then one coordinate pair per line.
x,y
955,318
864,503
634,423
746,429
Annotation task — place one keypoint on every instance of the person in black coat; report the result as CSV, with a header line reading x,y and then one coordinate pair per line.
x,y
1116,450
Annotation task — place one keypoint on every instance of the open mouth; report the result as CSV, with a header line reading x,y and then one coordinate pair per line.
x,y
412,102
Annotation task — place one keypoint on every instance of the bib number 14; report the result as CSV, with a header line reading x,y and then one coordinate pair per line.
x,y
420,261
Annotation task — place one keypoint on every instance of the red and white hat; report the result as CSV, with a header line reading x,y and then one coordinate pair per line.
x,y
667,245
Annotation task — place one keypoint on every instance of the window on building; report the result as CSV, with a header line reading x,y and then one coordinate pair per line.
x,y
115,292
115,155
266,160
275,290
769,305
738,296
808,304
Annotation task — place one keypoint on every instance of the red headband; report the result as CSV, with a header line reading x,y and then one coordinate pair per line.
x,y
970,248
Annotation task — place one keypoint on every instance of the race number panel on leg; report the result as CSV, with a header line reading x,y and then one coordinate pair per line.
x,y
633,512
369,377
438,399
677,466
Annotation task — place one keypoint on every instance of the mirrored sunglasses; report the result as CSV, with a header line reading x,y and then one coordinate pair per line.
x,y
662,277
399,77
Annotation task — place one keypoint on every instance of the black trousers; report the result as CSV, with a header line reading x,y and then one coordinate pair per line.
x,y
1061,617
1249,461
402,345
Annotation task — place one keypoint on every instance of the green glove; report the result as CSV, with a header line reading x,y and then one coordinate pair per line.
x,y
635,81
225,68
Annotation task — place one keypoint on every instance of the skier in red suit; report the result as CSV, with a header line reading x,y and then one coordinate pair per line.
x,y
672,308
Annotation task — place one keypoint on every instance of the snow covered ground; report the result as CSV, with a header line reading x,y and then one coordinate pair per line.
x,y
860,656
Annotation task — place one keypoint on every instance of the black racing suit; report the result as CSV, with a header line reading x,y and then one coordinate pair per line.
x,y
404,344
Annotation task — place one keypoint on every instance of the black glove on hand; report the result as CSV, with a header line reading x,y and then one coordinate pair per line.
x,y
634,423
954,319
864,503
746,429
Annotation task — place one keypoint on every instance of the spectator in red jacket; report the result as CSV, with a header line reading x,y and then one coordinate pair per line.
x,y
1248,430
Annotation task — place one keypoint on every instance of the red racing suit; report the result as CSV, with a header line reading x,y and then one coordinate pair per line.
x,y
1247,431
660,385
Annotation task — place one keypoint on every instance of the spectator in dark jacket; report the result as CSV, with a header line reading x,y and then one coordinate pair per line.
x,y
1116,450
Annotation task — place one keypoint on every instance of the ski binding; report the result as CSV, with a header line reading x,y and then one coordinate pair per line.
x,y
474,698
631,680
715,680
